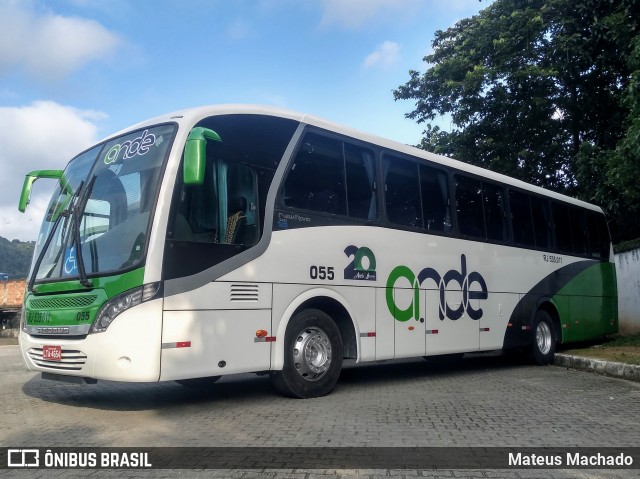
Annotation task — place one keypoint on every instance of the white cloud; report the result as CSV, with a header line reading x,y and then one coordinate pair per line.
x,y
43,135
48,45
353,14
386,55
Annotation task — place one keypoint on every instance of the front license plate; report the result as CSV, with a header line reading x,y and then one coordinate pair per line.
x,y
52,353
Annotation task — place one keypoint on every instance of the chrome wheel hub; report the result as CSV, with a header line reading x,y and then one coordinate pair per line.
x,y
312,354
543,337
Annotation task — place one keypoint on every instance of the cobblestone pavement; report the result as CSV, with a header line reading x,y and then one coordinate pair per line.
x,y
479,402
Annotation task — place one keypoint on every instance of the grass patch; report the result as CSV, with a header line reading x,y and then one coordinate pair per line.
x,y
621,349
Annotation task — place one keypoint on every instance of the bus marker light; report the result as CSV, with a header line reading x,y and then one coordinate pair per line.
x,y
261,333
509,325
432,331
526,328
411,328
485,330
183,344
368,335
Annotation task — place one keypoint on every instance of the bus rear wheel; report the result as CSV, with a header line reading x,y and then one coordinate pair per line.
x,y
543,348
312,356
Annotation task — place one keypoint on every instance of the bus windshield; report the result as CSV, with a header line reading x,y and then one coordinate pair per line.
x,y
103,203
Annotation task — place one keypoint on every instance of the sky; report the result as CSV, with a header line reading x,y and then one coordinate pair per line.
x,y
75,71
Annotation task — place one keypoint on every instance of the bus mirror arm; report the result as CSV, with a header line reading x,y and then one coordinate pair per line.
x,y
25,196
195,154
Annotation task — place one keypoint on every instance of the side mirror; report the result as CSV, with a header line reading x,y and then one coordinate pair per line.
x,y
195,154
25,196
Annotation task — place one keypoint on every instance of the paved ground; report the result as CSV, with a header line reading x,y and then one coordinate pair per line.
x,y
481,402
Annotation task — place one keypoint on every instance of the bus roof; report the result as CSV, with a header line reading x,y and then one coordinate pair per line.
x,y
190,116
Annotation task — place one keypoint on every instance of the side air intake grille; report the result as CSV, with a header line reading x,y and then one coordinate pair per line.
x,y
244,293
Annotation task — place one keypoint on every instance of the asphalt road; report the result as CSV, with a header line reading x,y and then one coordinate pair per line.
x,y
480,402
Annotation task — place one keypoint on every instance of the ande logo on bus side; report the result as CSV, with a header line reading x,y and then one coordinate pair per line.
x,y
465,280
472,285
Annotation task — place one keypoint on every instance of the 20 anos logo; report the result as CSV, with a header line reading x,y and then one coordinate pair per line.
x,y
472,286
362,265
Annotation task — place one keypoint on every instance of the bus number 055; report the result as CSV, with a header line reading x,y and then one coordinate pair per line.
x,y
321,272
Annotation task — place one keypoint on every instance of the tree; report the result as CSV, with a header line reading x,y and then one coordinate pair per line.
x,y
15,257
537,90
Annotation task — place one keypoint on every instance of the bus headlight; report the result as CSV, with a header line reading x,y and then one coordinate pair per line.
x,y
23,318
119,304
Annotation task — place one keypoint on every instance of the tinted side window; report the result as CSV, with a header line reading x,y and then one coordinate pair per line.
x,y
316,180
469,207
494,212
541,222
435,199
562,227
578,231
521,219
402,192
598,235
361,182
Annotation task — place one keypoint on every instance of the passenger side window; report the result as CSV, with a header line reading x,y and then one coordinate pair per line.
x,y
521,219
541,222
494,212
578,231
434,187
316,180
402,192
480,209
562,227
329,176
361,182
469,207
598,235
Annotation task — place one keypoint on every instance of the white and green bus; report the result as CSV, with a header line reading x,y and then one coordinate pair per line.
x,y
233,239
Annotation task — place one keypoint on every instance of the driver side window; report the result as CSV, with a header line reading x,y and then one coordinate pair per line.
x,y
223,210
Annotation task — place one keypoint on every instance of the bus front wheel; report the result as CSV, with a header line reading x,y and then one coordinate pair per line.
x,y
544,344
312,356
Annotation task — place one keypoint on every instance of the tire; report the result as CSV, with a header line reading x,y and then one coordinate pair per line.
x,y
198,383
312,356
543,348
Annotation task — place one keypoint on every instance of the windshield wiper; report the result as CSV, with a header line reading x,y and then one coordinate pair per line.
x,y
52,231
78,210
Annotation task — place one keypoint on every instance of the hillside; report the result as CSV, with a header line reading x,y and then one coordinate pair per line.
x,y
15,257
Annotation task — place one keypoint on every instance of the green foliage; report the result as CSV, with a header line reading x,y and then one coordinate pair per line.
x,y
627,246
620,341
15,257
547,91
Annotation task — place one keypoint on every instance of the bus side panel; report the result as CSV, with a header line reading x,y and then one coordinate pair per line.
x,y
385,327
495,319
359,302
129,350
591,304
212,330
566,288
214,343
409,335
